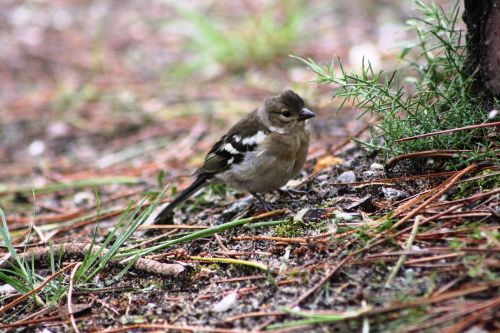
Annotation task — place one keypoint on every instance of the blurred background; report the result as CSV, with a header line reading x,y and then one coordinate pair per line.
x,y
127,87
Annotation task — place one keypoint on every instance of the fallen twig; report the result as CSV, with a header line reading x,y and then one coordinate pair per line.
x,y
81,249
183,328
427,153
465,128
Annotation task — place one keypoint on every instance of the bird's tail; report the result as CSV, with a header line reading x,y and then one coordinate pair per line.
x,y
200,181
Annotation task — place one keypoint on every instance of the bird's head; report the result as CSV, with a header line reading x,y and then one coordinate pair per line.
x,y
284,112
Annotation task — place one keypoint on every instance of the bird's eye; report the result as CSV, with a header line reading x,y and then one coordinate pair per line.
x,y
286,113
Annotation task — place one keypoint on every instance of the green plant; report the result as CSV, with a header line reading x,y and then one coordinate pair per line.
x,y
21,273
257,38
432,93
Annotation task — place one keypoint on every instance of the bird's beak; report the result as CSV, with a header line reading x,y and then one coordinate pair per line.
x,y
306,114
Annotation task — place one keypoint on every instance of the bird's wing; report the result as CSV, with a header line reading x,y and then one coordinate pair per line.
x,y
224,153
231,149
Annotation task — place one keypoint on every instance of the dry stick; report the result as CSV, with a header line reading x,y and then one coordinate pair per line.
x,y
434,250
402,258
430,219
70,295
469,199
448,131
27,323
472,318
427,153
20,299
28,319
81,249
434,258
254,314
172,226
447,185
324,280
165,327
407,205
425,300
451,316
311,291
443,297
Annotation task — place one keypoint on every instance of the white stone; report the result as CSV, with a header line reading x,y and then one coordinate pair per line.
x,y
36,148
7,289
393,194
228,302
376,167
347,177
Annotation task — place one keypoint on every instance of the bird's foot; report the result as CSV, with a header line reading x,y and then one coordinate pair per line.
x,y
266,205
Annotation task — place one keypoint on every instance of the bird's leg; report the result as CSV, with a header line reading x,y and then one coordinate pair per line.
x,y
267,205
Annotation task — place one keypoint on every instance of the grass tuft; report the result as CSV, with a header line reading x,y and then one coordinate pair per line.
x,y
21,273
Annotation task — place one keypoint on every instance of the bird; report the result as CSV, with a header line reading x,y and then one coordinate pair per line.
x,y
260,153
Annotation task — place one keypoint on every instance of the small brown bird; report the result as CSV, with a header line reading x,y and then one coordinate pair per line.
x,y
260,153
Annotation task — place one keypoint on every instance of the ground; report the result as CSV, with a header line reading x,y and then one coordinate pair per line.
x,y
105,102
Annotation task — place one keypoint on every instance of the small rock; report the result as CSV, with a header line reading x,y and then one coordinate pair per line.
x,y
58,129
44,330
226,303
7,289
368,174
347,177
322,177
365,204
492,114
343,216
238,206
83,198
393,194
36,148
476,329
376,167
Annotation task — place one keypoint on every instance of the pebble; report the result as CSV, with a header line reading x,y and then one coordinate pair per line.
x,y
372,174
376,167
322,177
393,194
81,199
476,329
7,289
226,303
347,177
238,206
36,148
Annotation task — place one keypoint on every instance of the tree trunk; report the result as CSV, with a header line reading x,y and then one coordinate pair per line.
x,y
482,18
